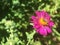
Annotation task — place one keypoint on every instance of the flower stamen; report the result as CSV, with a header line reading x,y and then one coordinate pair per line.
x,y
42,21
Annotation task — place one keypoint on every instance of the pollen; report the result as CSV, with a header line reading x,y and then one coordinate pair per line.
x,y
42,21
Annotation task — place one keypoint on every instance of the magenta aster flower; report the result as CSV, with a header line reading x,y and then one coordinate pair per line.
x,y
42,23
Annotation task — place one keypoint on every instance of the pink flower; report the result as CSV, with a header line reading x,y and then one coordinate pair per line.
x,y
42,23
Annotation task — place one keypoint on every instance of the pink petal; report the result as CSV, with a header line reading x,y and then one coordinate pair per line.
x,y
51,23
48,29
39,13
47,17
43,31
36,26
33,17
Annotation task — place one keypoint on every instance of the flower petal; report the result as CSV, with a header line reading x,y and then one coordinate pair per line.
x,y
43,31
39,13
36,26
33,17
51,23
47,17
48,29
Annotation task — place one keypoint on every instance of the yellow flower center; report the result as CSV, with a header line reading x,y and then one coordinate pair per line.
x,y
42,21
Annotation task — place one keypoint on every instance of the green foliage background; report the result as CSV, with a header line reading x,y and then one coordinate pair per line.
x,y
15,26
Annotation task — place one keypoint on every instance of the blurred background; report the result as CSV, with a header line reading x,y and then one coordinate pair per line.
x,y
15,25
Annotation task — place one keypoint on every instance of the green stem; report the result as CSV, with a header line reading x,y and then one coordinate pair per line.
x,y
28,42
56,32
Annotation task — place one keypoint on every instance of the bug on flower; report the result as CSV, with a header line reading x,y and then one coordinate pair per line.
x,y
42,23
